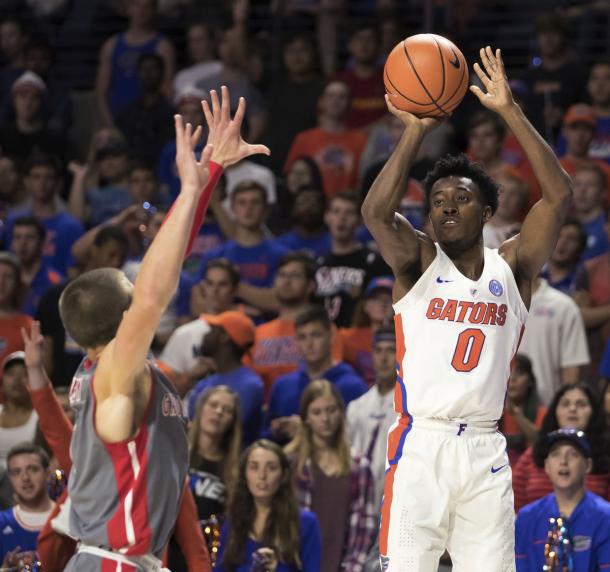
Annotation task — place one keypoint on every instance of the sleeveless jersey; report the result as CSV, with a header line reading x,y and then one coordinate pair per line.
x,y
125,496
455,339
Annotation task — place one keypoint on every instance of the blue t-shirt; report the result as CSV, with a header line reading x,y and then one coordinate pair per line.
x,y
565,285
588,527
249,386
318,245
42,281
106,202
257,264
310,547
13,534
63,230
604,366
597,239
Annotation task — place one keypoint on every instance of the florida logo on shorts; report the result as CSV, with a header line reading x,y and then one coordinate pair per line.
x,y
495,288
385,562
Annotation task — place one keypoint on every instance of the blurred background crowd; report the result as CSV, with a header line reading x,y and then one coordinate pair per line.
x,y
284,285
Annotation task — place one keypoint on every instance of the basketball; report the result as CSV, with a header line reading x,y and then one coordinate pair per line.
x,y
426,75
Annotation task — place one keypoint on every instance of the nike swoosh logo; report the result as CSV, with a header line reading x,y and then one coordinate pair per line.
x,y
439,280
494,470
455,63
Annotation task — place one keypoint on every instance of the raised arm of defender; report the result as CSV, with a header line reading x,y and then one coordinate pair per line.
x,y
529,250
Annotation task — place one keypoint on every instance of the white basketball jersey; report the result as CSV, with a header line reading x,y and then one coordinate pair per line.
x,y
455,339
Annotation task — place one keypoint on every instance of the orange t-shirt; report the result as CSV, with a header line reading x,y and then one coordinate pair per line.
x,y
336,154
275,352
356,343
10,334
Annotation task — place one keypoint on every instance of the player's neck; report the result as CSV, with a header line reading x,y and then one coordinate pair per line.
x,y
469,262
568,499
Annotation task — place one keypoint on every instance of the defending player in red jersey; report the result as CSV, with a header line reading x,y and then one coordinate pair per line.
x,y
129,446
460,310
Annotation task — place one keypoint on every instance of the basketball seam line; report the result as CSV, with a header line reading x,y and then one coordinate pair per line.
x,y
434,101
404,96
464,70
440,53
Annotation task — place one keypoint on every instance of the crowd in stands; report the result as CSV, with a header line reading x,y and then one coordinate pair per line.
x,y
280,336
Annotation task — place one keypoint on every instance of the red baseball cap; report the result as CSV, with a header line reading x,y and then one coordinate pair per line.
x,y
580,113
239,327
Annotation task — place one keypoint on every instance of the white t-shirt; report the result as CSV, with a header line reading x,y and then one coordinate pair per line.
x,y
182,349
495,235
9,437
369,419
554,338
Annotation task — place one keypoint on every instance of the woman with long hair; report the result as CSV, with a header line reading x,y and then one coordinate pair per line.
x,y
265,531
574,406
331,481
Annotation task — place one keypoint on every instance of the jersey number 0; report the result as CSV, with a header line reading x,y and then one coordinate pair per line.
x,y
468,350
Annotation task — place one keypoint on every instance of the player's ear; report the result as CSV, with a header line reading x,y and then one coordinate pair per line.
x,y
487,213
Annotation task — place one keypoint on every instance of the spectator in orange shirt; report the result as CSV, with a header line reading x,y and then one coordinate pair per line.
x,y
11,320
372,312
334,147
523,413
579,129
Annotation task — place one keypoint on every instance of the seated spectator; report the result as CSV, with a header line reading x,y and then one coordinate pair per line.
x,y
249,171
117,83
62,354
332,481
37,275
11,319
13,39
28,471
200,44
18,421
265,530
182,352
299,87
370,417
365,76
12,193
372,313
345,271
586,538
42,180
146,122
523,413
230,337
598,89
28,131
506,221
144,188
564,264
588,203
579,124
573,407
554,339
308,230
333,146
214,448
313,338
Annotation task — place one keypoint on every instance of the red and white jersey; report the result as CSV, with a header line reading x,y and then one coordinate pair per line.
x,y
455,339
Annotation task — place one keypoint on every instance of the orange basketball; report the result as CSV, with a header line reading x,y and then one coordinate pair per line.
x,y
426,75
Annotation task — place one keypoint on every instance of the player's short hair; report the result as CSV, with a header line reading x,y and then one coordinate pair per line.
x,y
32,222
461,166
303,258
227,266
313,313
27,448
482,118
109,233
92,306
247,186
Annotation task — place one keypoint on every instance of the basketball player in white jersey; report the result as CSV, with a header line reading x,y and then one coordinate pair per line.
x,y
460,311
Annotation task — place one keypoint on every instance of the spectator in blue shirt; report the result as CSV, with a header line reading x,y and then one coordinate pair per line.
x,y
41,182
265,530
586,516
36,273
313,338
28,470
231,335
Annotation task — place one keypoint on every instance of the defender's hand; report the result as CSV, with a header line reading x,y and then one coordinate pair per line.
x,y
34,347
193,174
498,96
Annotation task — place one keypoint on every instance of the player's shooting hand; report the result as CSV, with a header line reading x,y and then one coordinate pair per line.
x,y
225,133
193,174
411,121
497,95
34,347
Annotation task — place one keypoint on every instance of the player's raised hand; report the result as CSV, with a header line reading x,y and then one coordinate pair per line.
x,y
410,120
34,346
193,174
497,95
225,133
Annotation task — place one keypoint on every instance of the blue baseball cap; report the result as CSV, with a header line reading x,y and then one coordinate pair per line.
x,y
379,283
573,436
